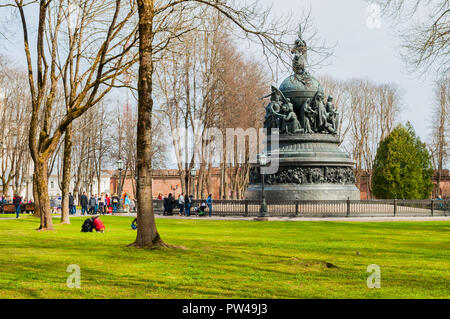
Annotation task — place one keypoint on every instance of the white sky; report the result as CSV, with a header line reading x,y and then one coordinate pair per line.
x,y
361,52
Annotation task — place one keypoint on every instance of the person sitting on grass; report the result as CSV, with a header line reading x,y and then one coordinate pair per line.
x,y
88,225
202,209
134,224
98,225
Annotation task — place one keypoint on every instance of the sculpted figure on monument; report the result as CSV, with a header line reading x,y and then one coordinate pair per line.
x,y
299,60
292,125
272,119
333,115
309,117
322,116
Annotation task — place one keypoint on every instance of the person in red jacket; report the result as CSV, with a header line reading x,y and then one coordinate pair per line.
x,y
108,204
98,225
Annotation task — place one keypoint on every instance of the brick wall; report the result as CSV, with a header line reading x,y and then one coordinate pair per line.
x,y
168,181
165,182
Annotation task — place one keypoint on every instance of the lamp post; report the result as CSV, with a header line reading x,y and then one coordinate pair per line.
x,y
193,173
263,161
135,194
27,182
120,168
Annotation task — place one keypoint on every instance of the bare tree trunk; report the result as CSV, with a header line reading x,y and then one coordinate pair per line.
x,y
37,211
66,175
147,234
40,173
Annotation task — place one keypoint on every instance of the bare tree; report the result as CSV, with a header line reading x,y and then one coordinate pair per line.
x,y
368,113
15,114
440,130
426,42
82,59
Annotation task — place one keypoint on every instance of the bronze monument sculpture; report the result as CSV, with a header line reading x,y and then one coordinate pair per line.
x,y
311,165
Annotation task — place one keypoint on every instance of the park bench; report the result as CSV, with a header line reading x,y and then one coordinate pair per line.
x,y
28,208
10,208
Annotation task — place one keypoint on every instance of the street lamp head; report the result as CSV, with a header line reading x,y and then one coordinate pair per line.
x,y
263,159
120,165
193,172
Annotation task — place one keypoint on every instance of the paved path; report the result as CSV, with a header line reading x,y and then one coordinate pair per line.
x,y
305,219
283,219
322,219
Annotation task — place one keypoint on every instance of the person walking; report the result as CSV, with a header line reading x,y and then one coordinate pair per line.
x,y
58,202
92,205
127,203
17,201
115,202
72,209
209,202
84,203
96,203
165,204
101,204
105,203
188,203
108,203
170,202
181,204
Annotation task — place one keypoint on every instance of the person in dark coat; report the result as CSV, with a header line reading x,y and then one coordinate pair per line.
x,y
93,205
84,203
187,205
165,204
88,225
72,209
170,203
17,201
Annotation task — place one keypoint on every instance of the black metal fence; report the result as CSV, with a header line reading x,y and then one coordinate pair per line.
x,y
323,208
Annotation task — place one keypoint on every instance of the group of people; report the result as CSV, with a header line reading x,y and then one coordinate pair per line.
x,y
184,203
103,204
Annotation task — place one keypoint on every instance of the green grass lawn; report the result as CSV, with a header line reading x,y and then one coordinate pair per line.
x,y
227,259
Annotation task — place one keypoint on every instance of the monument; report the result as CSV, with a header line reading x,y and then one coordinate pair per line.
x,y
311,165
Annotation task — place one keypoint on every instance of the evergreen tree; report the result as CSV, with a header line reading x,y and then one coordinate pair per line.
x,y
402,167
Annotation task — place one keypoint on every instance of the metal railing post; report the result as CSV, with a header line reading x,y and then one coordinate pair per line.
x,y
395,207
432,207
246,207
296,208
348,206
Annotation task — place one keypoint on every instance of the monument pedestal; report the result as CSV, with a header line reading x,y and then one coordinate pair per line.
x,y
311,167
